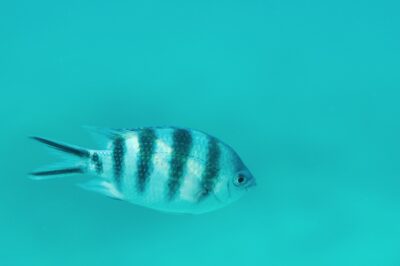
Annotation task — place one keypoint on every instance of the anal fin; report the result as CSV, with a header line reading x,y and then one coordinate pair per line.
x,y
102,187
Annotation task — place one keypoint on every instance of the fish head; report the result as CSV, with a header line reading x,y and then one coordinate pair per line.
x,y
240,183
235,181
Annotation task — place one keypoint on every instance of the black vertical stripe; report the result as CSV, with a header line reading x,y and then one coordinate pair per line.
x,y
147,141
118,159
182,144
211,170
98,163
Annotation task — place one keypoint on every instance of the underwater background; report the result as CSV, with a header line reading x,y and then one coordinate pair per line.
x,y
307,92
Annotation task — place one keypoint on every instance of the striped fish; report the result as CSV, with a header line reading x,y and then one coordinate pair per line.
x,y
164,168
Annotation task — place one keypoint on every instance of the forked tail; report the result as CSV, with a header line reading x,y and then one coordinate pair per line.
x,y
79,155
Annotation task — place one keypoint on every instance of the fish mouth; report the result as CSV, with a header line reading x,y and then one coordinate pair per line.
x,y
251,183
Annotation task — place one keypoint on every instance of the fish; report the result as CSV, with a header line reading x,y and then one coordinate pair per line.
x,y
169,169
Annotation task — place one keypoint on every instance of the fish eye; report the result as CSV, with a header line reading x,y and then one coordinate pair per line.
x,y
240,179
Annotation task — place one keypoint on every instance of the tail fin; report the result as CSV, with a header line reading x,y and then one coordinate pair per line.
x,y
78,166
44,173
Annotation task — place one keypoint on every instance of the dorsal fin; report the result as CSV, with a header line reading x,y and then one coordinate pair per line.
x,y
104,135
110,133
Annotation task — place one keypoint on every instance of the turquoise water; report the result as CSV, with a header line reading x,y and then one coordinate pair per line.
x,y
307,92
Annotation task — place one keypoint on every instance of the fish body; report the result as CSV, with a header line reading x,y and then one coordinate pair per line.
x,y
164,168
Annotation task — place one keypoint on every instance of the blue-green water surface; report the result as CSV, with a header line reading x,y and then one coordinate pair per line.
x,y
307,92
